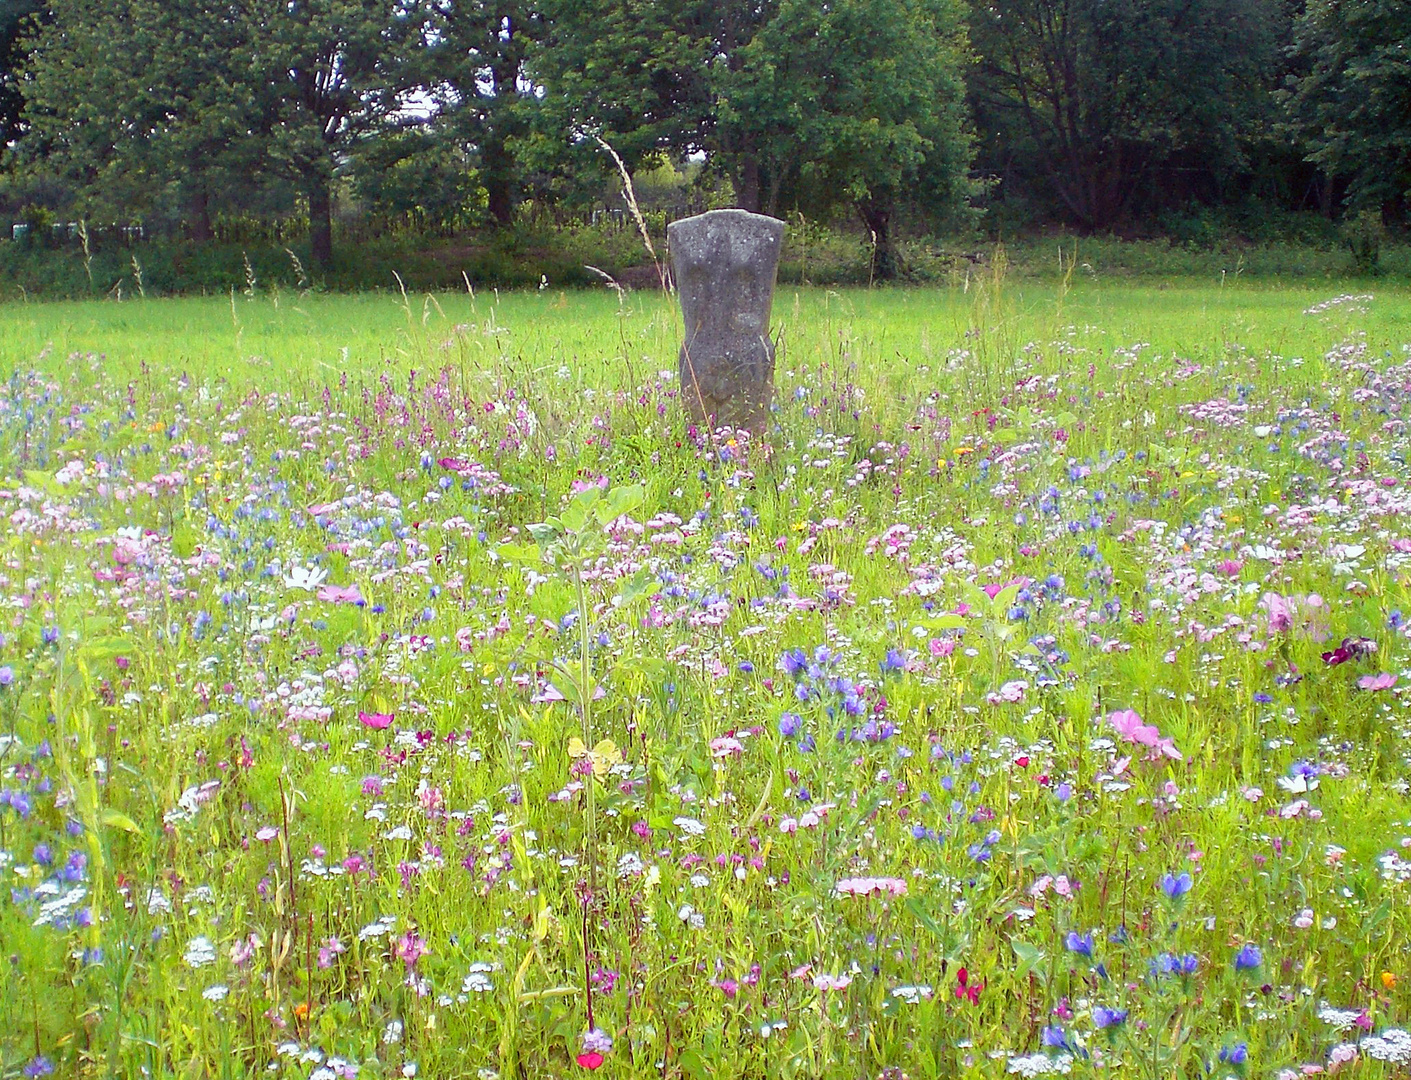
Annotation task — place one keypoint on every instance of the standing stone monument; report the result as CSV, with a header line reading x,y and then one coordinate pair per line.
x,y
725,264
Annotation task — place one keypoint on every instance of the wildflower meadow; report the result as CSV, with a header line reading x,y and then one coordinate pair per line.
x,y
398,686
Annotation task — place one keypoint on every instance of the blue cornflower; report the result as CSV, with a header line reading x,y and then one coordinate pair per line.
x,y
894,661
1103,1017
1175,886
1237,1054
1248,958
38,1066
1082,944
1054,1038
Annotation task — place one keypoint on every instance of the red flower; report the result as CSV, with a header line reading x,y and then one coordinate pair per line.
x,y
590,1059
965,990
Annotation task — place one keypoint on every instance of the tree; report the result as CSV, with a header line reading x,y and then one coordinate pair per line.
x,y
330,73
1085,100
477,70
635,73
1353,103
855,103
14,16
858,103
134,99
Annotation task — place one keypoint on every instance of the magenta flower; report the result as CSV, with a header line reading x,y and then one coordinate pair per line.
x,y
375,720
410,948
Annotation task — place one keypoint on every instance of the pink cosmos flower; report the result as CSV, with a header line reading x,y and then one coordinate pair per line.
x,y
941,646
341,594
1279,612
1384,681
1128,723
994,589
376,720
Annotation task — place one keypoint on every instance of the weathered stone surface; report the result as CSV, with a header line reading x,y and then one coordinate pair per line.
x,y
725,264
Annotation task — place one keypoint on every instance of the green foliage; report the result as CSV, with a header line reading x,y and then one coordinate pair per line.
x,y
1353,105
1085,100
139,100
477,66
857,104
13,17
1364,235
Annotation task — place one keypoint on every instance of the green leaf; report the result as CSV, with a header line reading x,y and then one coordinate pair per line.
x,y
948,621
619,501
637,586
518,553
119,820
103,648
1004,599
692,1064
575,514
1030,957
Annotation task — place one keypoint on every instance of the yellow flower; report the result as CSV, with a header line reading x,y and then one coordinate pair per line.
x,y
603,756
1389,980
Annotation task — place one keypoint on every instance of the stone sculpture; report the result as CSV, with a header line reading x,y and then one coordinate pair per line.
x,y
725,263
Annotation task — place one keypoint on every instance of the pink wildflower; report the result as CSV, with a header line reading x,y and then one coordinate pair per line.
x,y
410,948
1385,681
1128,723
341,594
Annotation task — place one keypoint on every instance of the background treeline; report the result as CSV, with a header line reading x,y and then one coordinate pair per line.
x,y
172,143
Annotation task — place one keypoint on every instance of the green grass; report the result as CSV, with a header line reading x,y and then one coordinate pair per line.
x,y
314,338
236,807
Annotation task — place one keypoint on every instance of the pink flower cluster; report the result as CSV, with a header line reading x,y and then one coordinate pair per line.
x,y
866,886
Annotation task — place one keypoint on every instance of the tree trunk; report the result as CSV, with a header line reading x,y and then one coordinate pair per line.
x,y
198,209
320,219
876,214
497,174
747,189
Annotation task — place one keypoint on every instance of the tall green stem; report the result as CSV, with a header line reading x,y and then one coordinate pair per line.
x,y
585,705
